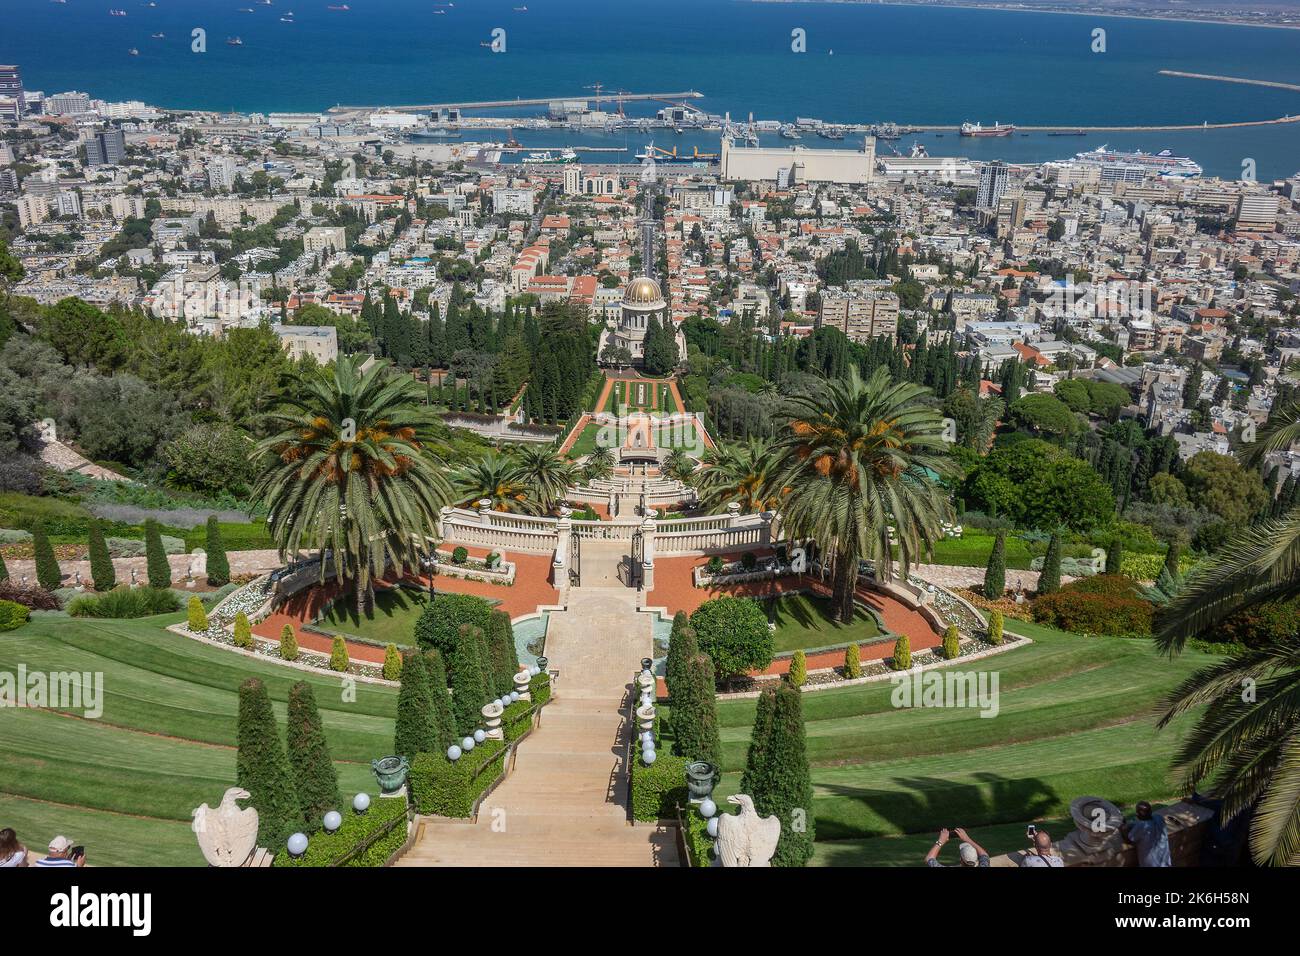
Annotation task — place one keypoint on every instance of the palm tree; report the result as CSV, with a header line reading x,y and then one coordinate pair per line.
x,y
1246,744
496,478
858,458
678,465
599,465
545,473
737,472
347,469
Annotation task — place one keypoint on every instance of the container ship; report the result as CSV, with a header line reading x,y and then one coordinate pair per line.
x,y
997,129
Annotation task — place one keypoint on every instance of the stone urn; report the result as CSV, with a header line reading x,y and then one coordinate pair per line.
x,y
522,679
492,720
646,681
542,664
700,775
1097,823
391,773
645,718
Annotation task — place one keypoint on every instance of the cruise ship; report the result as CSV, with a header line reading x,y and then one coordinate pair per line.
x,y
1165,163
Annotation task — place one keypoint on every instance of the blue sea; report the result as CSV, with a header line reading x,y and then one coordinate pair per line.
x,y
864,63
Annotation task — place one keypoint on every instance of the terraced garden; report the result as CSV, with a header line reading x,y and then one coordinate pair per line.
x,y
125,784
805,621
1076,717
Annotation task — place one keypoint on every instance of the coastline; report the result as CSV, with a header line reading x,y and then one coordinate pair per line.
x,y
1172,16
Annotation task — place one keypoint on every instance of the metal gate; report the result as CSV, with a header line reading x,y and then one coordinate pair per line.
x,y
575,561
638,550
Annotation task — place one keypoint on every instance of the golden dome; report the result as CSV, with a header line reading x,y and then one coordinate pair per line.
x,y
643,291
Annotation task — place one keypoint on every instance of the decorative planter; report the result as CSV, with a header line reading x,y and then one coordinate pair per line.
x,y
700,776
542,663
646,681
522,680
492,720
391,773
645,718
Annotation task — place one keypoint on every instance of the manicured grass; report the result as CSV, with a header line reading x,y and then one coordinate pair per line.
x,y
245,536
973,548
392,621
110,839
804,621
1076,716
625,393
165,741
586,443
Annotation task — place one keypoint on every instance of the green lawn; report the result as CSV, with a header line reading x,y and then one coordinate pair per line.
x,y
1075,718
657,397
973,548
804,621
165,742
586,442
392,621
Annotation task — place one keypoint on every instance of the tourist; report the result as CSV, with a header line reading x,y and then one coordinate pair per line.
x,y
1150,835
61,854
970,853
1042,853
12,853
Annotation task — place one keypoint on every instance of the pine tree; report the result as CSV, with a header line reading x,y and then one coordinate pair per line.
x,y
995,577
392,663
413,731
1049,579
48,574
1115,557
756,756
160,571
799,669
444,724
902,653
243,636
288,643
339,654
467,682
852,661
218,564
695,720
262,768
785,785
101,562
315,778
951,643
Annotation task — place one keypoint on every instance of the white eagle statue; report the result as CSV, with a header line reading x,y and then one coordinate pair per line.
x,y
745,838
227,835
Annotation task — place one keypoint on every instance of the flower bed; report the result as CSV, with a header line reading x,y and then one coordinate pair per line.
x,y
735,572
476,569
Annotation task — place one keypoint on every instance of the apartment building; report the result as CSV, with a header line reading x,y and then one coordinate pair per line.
x,y
860,316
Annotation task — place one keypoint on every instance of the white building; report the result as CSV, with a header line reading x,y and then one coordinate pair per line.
x,y
799,164
517,201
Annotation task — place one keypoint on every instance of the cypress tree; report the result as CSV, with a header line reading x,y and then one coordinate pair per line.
x,y
262,769
1171,559
1115,557
160,572
682,646
4,571
315,778
501,646
48,574
695,720
413,731
218,564
101,562
467,695
444,724
756,757
785,786
1049,579
995,577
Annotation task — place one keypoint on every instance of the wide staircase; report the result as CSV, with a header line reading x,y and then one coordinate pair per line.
x,y
565,803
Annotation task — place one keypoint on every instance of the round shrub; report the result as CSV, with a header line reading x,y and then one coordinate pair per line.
x,y
749,560
734,633
902,653
460,555
440,622
198,618
33,596
12,615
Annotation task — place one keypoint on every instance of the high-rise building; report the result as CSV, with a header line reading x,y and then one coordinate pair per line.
x,y
994,177
32,211
11,87
221,172
67,104
861,316
1257,211
68,203
106,148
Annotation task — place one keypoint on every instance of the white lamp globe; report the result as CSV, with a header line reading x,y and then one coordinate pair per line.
x,y
647,735
648,756
479,736
467,744
333,820
712,827
534,670
453,752
708,808
514,696
298,844
361,802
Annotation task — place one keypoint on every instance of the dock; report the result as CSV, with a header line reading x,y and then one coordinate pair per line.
x,y
502,104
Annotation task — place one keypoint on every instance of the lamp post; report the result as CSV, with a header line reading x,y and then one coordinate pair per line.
x,y
428,564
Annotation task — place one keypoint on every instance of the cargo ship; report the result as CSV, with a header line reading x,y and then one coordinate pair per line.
x,y
997,129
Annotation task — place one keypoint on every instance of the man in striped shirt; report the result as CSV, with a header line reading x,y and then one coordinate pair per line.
x,y
60,854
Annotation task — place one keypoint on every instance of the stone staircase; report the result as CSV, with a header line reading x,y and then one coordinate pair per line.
x,y
565,802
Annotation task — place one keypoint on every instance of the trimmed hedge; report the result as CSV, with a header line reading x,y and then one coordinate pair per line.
x,y
698,841
517,718
1104,604
657,790
125,602
440,622
326,849
448,788
12,615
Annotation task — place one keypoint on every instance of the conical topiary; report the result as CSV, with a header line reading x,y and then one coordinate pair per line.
x,y
339,654
785,786
196,616
392,663
243,633
288,643
218,563
467,683
951,643
48,574
756,756
102,573
995,627
160,571
262,769
413,732
695,717
1049,579
315,779
852,661
799,669
504,657
995,576
902,653
444,724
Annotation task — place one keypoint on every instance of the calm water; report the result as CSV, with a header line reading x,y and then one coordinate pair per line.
x,y
907,64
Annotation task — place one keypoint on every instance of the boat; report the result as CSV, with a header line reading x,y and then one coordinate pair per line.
x,y
919,151
789,132
521,9
1066,132
341,6
234,41
1164,162
287,18
511,142
886,131
158,36
117,13
978,129
133,51
830,132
